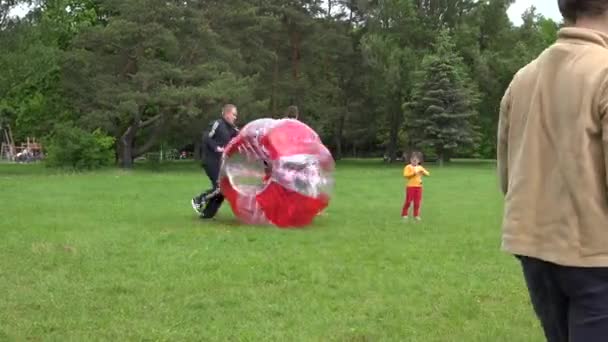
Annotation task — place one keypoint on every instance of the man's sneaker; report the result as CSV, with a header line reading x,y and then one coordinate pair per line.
x,y
405,218
417,218
196,205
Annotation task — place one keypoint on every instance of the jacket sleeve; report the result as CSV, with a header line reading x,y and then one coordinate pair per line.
x,y
502,148
211,141
408,172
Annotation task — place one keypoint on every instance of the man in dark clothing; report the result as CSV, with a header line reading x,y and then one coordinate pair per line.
x,y
222,131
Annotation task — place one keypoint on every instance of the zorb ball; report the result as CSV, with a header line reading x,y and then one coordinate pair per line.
x,y
277,172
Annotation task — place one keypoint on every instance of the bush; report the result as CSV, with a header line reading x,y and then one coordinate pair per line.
x,y
74,148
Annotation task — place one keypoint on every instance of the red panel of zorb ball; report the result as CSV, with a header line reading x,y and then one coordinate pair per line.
x,y
277,172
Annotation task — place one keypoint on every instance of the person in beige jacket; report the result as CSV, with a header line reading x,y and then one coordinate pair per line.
x,y
552,165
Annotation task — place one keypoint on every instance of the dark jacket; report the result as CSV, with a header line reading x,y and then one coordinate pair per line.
x,y
219,135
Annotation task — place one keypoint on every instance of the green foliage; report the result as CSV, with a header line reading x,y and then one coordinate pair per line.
x,y
150,64
440,115
74,148
31,93
151,71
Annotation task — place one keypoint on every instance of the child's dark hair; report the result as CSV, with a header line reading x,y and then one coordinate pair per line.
x,y
417,155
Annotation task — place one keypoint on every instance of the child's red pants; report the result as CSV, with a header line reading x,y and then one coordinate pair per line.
x,y
413,194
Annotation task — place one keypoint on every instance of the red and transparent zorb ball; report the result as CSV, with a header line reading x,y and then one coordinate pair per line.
x,y
277,172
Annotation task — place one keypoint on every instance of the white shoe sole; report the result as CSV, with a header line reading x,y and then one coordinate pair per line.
x,y
196,209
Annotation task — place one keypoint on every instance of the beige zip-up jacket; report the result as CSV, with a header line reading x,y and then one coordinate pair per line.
x,y
553,153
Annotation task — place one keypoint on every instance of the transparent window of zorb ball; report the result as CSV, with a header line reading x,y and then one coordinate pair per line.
x,y
246,174
303,174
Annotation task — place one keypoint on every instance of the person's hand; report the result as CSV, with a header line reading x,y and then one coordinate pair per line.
x,y
220,149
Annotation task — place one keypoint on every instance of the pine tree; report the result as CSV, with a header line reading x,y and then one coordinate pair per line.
x,y
440,115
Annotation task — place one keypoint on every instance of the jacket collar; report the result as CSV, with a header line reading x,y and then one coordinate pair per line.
x,y
578,35
227,123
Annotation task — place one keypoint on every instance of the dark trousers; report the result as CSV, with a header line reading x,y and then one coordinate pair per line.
x,y
213,197
571,302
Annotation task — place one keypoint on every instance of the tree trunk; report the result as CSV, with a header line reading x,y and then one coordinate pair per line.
x,y
126,147
338,142
447,156
117,148
295,54
441,157
340,132
126,153
197,150
392,144
275,80
395,123
395,119
152,141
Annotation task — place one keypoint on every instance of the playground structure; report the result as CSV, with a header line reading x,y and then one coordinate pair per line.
x,y
29,151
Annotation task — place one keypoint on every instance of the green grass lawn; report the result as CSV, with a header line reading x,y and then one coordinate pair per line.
x,y
121,256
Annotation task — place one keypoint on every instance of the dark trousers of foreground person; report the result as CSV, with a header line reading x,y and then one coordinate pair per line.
x,y
213,197
571,302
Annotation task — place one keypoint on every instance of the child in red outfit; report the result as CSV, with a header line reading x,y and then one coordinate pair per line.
x,y
413,174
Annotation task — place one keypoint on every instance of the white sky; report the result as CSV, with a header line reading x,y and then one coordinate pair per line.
x,y
548,8
19,11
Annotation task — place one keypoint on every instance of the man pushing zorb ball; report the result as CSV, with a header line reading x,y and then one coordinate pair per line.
x,y
277,172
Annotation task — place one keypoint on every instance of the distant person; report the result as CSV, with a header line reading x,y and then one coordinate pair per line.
x,y
292,112
413,173
553,166
24,156
222,131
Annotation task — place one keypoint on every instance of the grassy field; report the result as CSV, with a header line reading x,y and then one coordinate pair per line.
x,y
120,256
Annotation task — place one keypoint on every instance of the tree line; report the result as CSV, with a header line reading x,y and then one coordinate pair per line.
x,y
372,77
